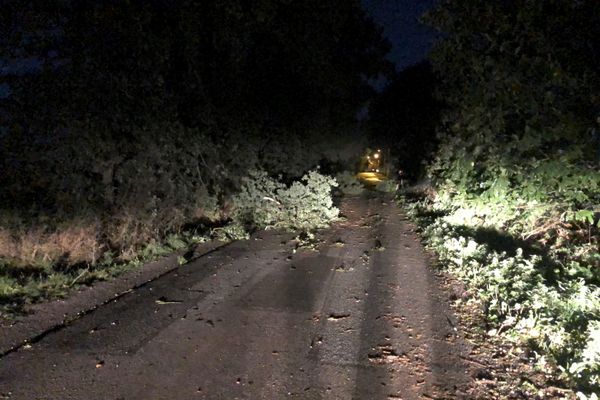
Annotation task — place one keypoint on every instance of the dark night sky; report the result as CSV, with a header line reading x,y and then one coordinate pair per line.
x,y
410,39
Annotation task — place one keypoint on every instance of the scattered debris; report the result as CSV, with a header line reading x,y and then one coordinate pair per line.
x,y
207,321
483,374
316,340
335,317
164,300
385,354
396,320
365,256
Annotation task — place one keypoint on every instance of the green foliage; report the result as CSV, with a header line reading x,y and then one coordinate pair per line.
x,y
520,125
527,298
305,205
22,284
387,186
141,118
348,184
138,140
518,155
229,232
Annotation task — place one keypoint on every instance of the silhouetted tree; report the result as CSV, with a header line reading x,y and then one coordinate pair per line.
x,y
111,75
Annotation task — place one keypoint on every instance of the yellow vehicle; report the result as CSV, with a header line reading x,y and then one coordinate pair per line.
x,y
373,167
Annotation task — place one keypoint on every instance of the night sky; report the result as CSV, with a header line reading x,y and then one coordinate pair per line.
x,y
410,39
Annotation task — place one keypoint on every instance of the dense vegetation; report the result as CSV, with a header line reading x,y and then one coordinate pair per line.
x,y
517,173
133,127
129,122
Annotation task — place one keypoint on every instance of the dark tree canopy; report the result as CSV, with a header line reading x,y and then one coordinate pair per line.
x,y
252,81
519,152
274,62
522,70
521,80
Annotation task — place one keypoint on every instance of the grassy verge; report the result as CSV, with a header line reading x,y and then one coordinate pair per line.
x,y
542,298
43,258
23,283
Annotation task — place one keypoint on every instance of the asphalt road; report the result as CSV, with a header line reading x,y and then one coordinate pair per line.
x,y
359,317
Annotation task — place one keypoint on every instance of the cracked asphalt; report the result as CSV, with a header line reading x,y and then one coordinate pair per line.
x,y
361,316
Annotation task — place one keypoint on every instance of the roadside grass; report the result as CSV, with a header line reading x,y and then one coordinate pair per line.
x,y
42,273
539,297
43,257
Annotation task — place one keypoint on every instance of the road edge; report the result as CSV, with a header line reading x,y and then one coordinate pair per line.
x,y
50,316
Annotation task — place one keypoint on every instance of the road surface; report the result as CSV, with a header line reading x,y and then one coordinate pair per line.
x,y
359,317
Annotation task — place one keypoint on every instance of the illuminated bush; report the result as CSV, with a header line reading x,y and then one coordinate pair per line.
x,y
527,298
348,183
264,202
517,157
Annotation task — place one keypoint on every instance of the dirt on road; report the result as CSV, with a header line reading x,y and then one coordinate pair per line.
x,y
360,316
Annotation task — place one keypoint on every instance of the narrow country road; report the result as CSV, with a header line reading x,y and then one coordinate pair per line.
x,y
359,317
